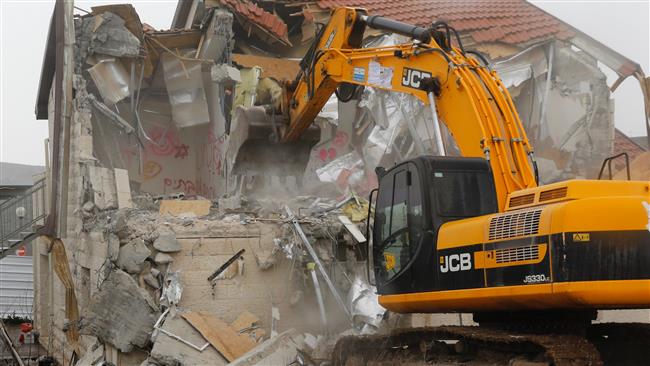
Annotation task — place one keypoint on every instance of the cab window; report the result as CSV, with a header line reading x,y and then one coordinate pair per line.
x,y
398,222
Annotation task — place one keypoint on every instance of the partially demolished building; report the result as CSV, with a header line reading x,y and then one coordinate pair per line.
x,y
185,240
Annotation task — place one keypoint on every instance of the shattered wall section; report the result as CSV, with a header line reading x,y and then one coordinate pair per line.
x,y
568,119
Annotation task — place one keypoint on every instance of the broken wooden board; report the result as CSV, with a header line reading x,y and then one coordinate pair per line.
x,y
221,336
245,320
177,207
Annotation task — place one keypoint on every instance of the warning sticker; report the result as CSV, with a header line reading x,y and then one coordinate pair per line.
x,y
380,75
359,74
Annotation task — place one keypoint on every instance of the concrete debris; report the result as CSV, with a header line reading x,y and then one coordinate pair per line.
x,y
265,259
163,258
132,255
105,34
113,247
279,350
167,243
119,224
150,280
120,313
168,351
93,356
224,74
230,203
172,289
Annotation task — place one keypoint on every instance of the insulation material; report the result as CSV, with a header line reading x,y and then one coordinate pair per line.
x,y
184,81
568,115
247,89
364,305
111,79
342,170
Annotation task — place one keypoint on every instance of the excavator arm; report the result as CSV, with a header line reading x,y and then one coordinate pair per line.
x,y
465,94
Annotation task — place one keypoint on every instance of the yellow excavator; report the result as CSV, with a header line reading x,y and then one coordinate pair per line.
x,y
476,233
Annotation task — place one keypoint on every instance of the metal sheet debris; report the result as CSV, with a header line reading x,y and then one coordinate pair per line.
x,y
184,82
111,79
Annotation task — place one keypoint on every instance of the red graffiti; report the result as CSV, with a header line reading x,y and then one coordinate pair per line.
x,y
180,185
166,143
327,154
189,187
182,151
210,155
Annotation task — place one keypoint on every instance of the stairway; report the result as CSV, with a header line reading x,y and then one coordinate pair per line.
x,y
20,218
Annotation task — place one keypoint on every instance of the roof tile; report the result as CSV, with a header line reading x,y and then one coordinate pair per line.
x,y
259,16
508,21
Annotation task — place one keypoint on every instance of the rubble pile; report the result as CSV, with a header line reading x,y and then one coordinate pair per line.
x,y
179,285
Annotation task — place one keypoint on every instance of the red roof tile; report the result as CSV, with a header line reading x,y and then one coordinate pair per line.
x,y
259,16
622,143
508,21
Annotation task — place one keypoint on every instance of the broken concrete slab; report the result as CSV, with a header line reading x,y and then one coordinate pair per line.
x,y
279,350
163,258
223,73
132,255
167,243
121,313
92,356
167,351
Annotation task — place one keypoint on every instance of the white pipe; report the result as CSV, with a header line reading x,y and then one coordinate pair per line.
x,y
319,296
436,125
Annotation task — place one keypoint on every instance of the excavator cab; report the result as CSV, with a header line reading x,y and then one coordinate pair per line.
x,y
414,199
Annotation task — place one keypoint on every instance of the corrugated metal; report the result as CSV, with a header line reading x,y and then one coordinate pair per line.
x,y
16,286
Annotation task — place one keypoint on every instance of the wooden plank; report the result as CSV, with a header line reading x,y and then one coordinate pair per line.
x,y
245,320
221,336
177,207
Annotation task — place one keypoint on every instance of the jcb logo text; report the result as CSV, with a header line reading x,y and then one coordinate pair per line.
x,y
455,262
412,77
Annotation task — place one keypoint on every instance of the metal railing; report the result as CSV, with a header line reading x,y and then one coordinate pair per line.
x,y
20,215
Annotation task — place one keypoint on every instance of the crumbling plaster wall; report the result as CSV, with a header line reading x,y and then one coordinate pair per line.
x,y
564,103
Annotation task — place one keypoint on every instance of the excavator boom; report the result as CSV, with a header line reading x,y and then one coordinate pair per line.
x,y
463,93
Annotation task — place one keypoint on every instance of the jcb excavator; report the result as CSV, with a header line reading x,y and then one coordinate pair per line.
x,y
476,233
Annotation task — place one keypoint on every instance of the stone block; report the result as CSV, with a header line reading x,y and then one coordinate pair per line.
x,y
132,255
120,313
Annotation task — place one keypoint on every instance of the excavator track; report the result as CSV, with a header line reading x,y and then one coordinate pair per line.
x,y
453,345
621,344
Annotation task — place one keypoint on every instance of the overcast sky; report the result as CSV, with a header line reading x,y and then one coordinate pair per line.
x,y
622,25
